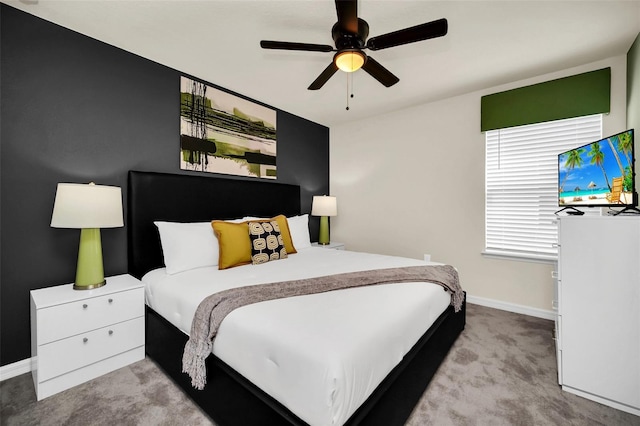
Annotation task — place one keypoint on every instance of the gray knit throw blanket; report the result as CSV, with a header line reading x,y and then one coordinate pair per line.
x,y
216,307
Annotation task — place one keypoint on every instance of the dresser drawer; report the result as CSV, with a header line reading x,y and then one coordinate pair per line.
x,y
70,319
62,356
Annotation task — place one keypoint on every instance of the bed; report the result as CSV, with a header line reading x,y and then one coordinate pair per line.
x,y
229,397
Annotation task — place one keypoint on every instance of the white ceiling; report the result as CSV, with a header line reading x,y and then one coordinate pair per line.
x,y
489,43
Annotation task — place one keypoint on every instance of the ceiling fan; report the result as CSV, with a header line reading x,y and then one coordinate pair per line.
x,y
350,36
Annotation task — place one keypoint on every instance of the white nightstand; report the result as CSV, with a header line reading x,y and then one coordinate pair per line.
x,y
78,335
332,245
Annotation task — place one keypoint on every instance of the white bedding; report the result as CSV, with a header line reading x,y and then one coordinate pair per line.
x,y
319,355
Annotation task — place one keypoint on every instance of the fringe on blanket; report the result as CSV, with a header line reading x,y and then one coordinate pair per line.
x,y
193,363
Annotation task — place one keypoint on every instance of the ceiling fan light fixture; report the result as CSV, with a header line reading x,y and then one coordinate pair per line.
x,y
350,35
349,60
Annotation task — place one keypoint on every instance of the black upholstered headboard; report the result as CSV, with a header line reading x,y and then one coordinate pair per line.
x,y
186,198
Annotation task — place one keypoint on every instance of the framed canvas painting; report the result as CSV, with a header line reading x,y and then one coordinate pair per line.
x,y
223,133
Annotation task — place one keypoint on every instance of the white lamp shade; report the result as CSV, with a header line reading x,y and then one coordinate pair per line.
x,y
324,205
87,206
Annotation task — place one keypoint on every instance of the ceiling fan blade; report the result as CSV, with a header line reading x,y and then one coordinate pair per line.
x,y
347,11
420,32
379,72
285,45
324,77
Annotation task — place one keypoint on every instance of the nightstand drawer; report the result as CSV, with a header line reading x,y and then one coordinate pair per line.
x,y
69,319
62,356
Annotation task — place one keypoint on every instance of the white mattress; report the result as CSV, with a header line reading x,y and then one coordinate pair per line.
x,y
319,355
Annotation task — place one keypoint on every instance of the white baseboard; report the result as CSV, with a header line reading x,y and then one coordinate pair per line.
x,y
17,368
512,307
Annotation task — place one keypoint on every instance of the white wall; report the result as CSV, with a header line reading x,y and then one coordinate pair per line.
x,y
411,182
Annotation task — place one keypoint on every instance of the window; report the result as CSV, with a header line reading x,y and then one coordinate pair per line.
x,y
521,184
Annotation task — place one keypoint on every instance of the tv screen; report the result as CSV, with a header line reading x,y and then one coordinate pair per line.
x,y
600,173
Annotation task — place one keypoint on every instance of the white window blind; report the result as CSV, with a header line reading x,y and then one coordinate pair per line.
x,y
522,184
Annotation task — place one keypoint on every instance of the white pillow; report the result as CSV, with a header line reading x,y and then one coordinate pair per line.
x,y
187,245
299,229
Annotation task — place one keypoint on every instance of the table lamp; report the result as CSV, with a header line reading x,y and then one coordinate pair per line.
x,y
88,207
324,206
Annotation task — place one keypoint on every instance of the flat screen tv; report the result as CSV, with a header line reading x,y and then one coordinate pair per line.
x,y
601,173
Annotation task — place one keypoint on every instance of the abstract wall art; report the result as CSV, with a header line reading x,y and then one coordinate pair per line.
x,y
224,133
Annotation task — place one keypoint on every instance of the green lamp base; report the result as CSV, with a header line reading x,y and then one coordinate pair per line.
x,y
89,272
323,238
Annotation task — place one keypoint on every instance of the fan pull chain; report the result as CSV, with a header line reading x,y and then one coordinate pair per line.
x,y
349,84
351,75
347,91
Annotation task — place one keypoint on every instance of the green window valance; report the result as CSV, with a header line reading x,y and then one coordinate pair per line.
x,y
575,96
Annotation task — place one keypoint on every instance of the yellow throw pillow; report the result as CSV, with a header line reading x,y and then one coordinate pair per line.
x,y
234,243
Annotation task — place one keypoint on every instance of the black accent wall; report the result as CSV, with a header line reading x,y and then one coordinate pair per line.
x,y
74,109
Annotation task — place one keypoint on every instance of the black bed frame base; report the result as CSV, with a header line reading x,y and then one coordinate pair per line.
x,y
230,399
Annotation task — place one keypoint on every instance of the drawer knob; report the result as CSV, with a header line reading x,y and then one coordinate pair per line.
x,y
85,340
110,300
110,332
85,306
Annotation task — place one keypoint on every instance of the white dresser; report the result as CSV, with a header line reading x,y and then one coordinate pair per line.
x,y
598,325
78,335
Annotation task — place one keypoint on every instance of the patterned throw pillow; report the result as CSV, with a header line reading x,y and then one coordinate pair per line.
x,y
266,242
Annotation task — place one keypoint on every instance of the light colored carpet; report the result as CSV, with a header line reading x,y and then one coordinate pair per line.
x,y
501,371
